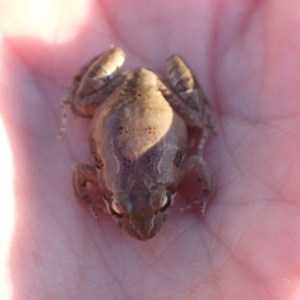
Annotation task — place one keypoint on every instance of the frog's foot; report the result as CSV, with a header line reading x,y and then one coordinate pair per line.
x,y
205,176
202,202
82,174
67,99
65,108
92,206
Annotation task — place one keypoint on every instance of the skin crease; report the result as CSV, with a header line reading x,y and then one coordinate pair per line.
x,y
246,56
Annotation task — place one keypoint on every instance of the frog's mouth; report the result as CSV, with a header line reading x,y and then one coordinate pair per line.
x,y
142,224
144,228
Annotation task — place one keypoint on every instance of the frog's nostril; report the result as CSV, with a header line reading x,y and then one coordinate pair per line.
x,y
144,230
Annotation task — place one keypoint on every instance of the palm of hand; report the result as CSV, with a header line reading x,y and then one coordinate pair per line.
x,y
248,237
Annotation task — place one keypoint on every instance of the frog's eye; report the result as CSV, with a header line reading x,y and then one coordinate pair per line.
x,y
165,202
115,207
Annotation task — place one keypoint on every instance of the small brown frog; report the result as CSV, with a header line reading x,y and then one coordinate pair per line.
x,y
138,139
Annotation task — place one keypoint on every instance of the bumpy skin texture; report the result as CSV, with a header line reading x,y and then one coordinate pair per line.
x,y
246,56
139,139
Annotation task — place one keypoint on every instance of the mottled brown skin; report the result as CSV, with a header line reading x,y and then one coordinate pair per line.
x,y
138,139
136,153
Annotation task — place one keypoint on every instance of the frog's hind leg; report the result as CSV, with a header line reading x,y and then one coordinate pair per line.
x,y
189,90
189,101
91,84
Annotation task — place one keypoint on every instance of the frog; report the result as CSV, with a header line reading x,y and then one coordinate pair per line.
x,y
139,139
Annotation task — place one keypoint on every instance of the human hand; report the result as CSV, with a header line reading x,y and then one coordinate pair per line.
x,y
245,56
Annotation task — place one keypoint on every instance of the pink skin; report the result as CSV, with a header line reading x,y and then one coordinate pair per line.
x,y
246,56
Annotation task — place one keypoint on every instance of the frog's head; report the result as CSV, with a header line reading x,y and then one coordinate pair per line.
x,y
141,214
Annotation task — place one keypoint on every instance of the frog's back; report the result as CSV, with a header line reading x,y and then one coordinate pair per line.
x,y
136,125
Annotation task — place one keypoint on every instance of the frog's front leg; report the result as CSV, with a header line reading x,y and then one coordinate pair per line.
x,y
92,84
81,175
204,175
